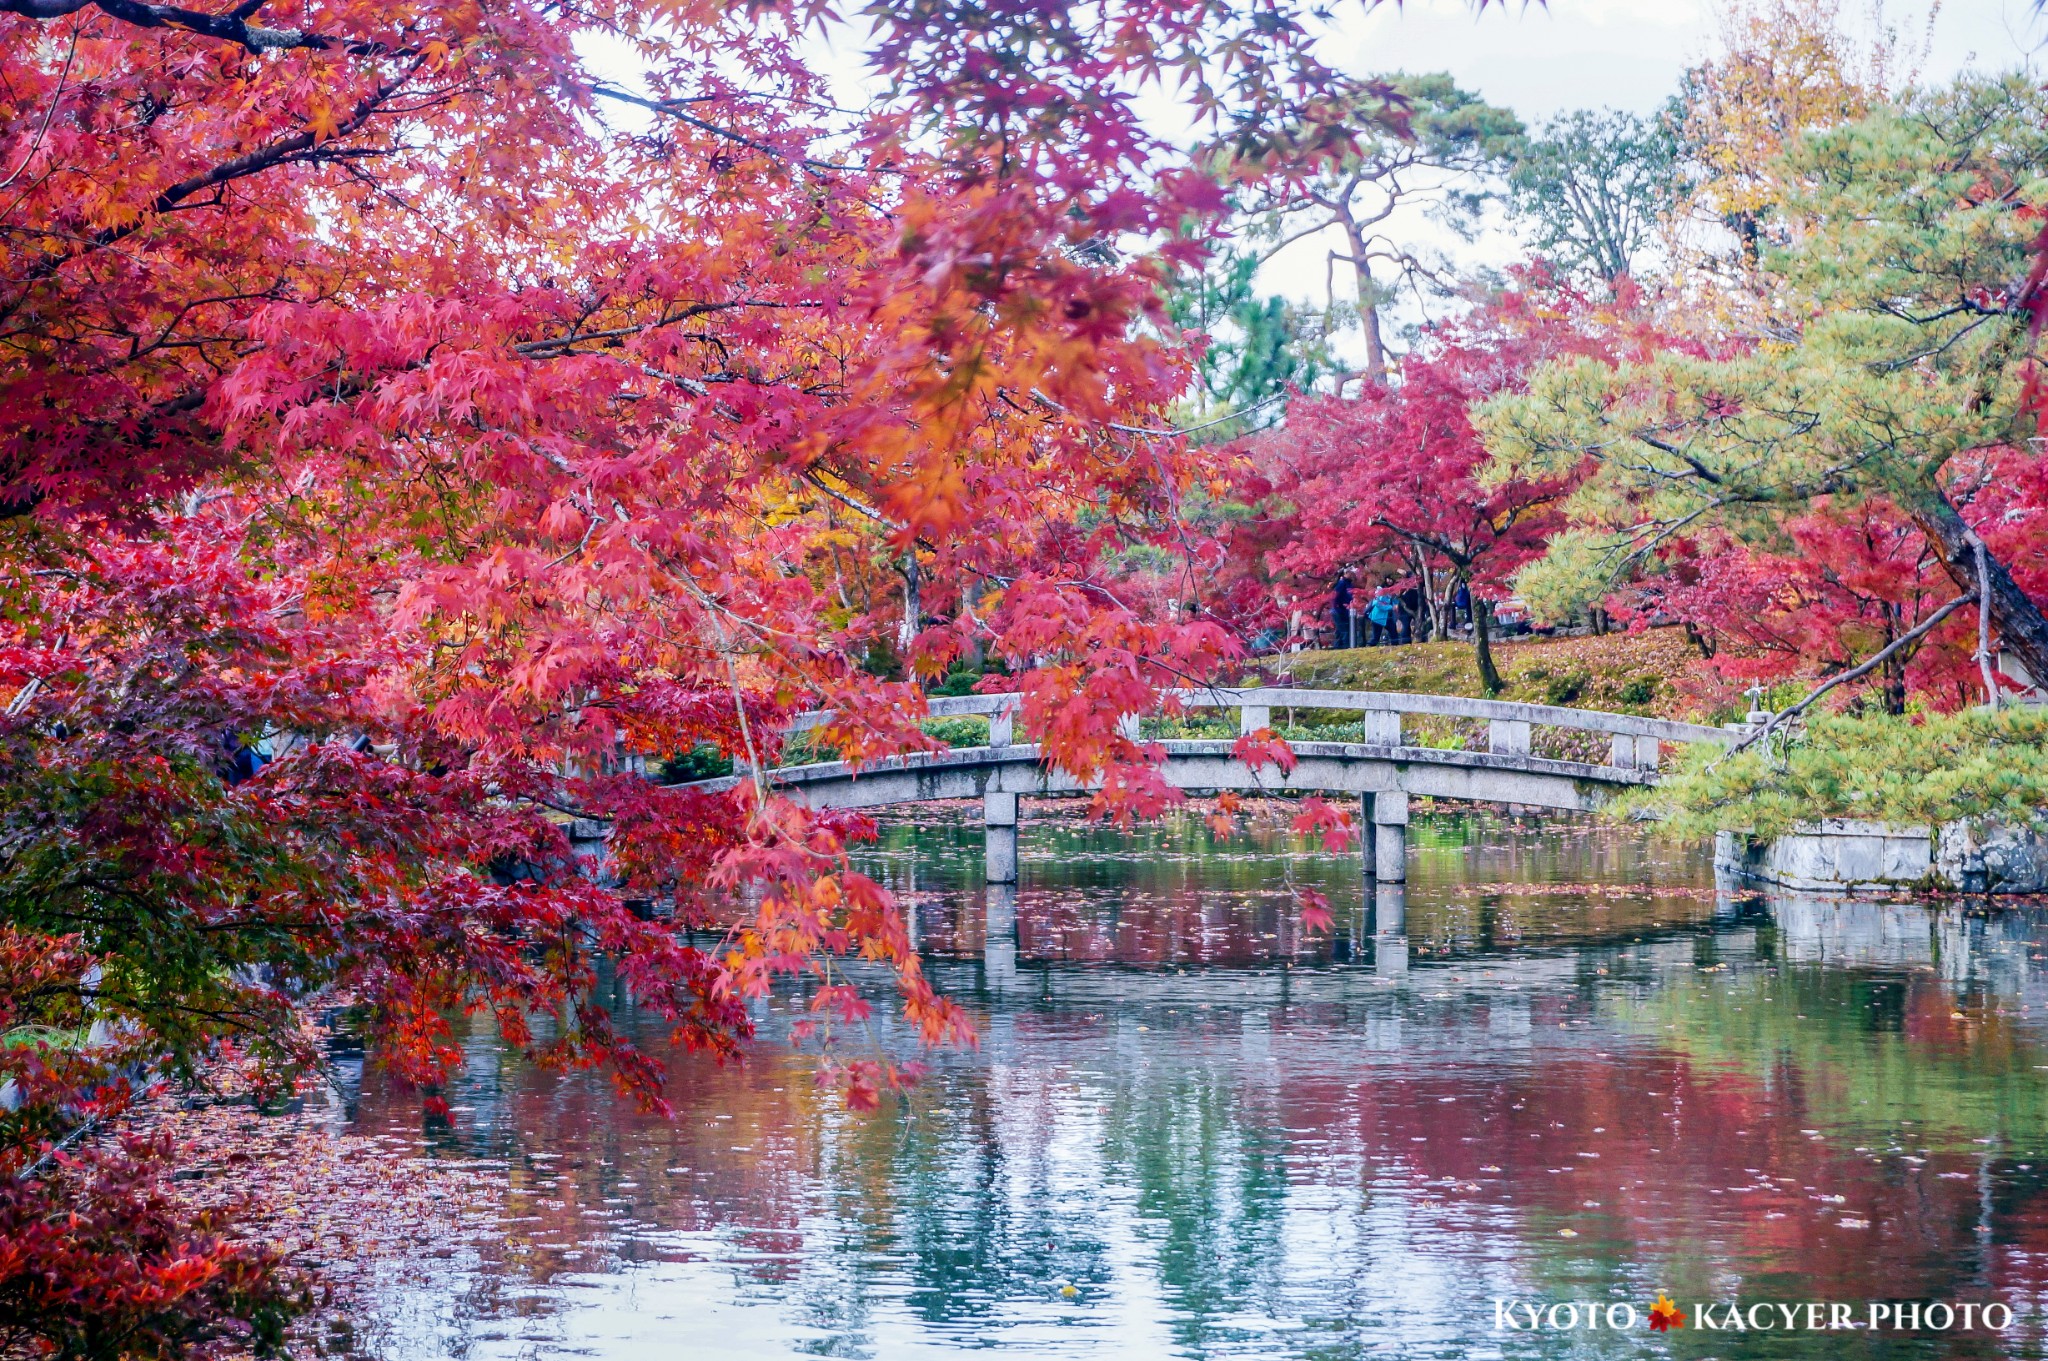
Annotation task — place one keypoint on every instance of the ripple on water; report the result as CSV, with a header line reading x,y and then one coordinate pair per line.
x,y
1192,1130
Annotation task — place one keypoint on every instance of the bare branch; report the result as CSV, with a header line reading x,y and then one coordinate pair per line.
x,y
1925,627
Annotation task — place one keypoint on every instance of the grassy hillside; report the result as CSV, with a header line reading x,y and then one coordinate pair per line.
x,y
1619,672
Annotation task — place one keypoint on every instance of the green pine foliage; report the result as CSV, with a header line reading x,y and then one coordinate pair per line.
x,y
1918,769
1258,346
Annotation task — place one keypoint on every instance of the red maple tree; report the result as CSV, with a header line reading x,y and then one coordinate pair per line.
x,y
1841,582
473,421
1389,484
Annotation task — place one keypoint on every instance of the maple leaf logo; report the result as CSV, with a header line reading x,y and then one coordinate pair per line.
x,y
1665,1315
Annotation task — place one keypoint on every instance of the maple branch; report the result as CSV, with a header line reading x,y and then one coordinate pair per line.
x,y
1167,432
849,502
299,148
548,346
1461,559
233,26
669,108
56,98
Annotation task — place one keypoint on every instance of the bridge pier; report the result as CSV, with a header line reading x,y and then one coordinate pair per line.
x,y
999,939
1389,910
1368,838
1389,813
999,838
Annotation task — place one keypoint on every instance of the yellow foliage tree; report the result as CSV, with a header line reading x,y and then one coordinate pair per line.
x,y
1785,68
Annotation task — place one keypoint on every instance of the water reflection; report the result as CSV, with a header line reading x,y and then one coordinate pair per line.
x,y
1579,1072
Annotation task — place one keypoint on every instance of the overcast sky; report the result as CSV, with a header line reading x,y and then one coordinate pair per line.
x,y
1626,53
1541,60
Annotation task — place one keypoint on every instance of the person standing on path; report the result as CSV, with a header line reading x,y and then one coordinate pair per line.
x,y
1381,615
1340,612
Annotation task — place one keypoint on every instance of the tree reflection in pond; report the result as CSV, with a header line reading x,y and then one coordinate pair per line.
x,y
1191,1132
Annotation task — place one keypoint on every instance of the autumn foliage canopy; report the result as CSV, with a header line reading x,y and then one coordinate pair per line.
x,y
422,423
468,405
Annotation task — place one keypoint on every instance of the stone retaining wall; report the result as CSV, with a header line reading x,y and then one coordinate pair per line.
x,y
1844,855
1838,854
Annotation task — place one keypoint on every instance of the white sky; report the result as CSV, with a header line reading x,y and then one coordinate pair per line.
x,y
1624,53
1543,60
1540,60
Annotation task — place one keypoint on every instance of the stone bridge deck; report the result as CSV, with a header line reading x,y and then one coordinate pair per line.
x,y
1382,772
1207,764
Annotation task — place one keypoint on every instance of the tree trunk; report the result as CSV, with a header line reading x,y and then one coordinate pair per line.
x,y
2021,626
1892,688
1482,645
1368,304
1375,347
1436,592
913,610
1895,685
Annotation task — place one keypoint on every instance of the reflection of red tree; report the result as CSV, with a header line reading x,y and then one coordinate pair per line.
x,y
1699,1165
743,1145
1182,925
1174,924
2016,1262
1688,1163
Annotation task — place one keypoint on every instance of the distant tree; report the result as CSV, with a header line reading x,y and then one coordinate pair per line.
x,y
1452,141
1834,585
1595,186
1784,69
1257,347
1393,481
1906,378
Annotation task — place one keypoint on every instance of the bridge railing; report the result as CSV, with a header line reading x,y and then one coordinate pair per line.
x,y
1636,741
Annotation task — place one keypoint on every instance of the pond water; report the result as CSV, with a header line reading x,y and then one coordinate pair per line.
x,y
1581,1074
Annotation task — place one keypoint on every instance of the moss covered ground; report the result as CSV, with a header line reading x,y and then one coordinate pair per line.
x,y
1637,673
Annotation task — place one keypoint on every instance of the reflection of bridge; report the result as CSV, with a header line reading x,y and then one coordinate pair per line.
x,y
1382,771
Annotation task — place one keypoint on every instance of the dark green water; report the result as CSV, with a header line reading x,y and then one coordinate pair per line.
x,y
1580,1075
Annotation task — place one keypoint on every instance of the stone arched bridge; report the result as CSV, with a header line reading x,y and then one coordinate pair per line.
x,y
1382,771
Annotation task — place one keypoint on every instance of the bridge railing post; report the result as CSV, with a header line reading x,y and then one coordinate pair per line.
x,y
1635,753
1252,717
1383,727
1002,728
1507,737
1128,726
